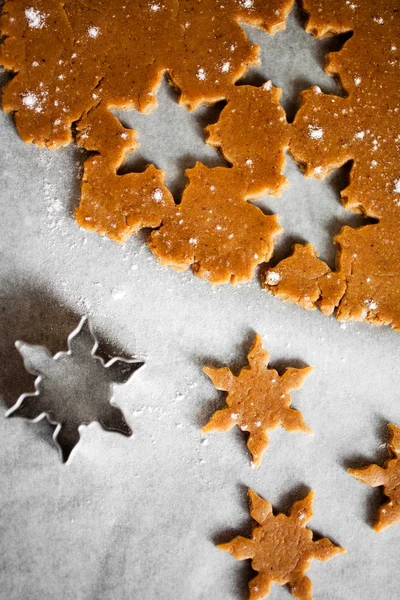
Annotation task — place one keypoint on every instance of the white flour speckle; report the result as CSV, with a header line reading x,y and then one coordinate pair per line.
x,y
397,186
224,68
360,135
357,80
201,74
36,19
93,32
29,100
371,304
157,195
246,3
315,133
118,294
273,278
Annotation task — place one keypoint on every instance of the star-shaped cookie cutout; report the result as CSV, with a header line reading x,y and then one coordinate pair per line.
x,y
281,548
258,400
73,388
387,476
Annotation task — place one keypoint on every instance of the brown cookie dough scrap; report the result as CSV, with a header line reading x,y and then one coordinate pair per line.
x,y
387,476
112,204
69,57
258,400
364,128
281,548
305,280
214,230
252,133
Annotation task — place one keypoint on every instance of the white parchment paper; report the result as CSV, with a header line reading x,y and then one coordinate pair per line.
x,y
138,518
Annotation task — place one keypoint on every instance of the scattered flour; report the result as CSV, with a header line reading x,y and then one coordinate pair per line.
x,y
36,19
93,32
201,74
157,195
315,133
273,278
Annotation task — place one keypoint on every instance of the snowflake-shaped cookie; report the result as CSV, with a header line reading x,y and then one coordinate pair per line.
x,y
281,548
258,400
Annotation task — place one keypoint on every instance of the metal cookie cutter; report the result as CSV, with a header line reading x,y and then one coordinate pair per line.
x,y
73,388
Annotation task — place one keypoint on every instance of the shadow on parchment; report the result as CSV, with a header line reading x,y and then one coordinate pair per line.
x,y
375,496
242,571
33,315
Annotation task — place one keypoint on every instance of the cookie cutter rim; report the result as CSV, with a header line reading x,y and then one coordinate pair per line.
x,y
45,415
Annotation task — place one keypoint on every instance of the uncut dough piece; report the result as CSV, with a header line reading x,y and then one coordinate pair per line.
x,y
306,280
111,204
281,548
252,133
387,476
258,400
364,128
214,230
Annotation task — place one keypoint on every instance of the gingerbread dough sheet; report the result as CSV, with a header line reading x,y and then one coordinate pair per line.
x,y
141,517
363,128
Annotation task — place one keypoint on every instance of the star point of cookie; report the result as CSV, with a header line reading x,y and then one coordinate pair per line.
x,y
258,400
281,548
387,476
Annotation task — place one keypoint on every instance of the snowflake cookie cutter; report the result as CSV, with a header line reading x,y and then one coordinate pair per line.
x,y
67,393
